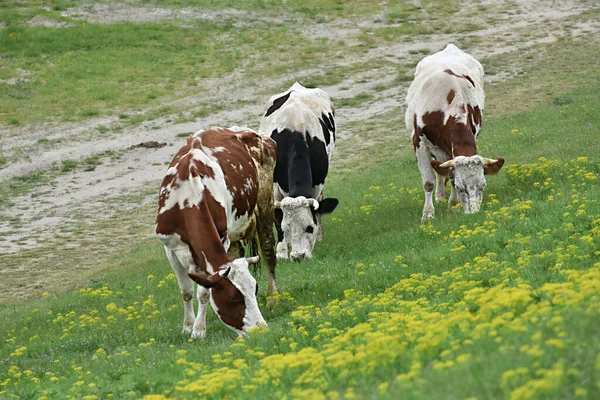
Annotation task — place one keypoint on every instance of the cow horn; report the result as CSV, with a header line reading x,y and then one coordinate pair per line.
x,y
314,203
225,272
448,164
488,161
278,204
253,260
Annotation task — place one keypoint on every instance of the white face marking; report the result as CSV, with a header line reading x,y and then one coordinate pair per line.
x,y
299,227
469,182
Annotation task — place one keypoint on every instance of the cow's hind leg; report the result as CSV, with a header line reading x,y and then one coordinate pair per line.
x,y
199,331
186,288
236,250
428,179
440,187
266,240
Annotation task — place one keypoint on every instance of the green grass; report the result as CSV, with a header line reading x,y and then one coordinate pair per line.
x,y
469,306
374,244
151,58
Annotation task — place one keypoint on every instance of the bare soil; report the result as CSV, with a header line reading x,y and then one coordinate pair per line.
x,y
66,212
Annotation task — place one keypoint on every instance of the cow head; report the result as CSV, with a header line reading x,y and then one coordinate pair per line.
x,y
469,179
299,223
233,294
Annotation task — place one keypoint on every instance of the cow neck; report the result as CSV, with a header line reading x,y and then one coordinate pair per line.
x,y
463,142
453,137
203,238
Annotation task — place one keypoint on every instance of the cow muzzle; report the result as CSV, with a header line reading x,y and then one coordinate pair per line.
x,y
298,256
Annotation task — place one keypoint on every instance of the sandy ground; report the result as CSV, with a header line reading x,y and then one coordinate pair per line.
x,y
36,218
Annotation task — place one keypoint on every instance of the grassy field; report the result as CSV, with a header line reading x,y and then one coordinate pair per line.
x,y
505,301
501,304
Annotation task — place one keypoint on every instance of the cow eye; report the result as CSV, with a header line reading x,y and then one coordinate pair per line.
x,y
310,229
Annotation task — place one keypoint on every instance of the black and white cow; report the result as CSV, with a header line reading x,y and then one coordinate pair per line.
x,y
301,121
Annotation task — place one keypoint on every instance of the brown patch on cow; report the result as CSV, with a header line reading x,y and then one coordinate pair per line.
x,y
450,96
428,186
493,169
230,302
454,138
450,72
474,118
416,138
467,77
443,171
229,299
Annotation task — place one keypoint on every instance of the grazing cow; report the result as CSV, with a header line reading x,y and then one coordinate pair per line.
x,y
444,114
217,192
301,121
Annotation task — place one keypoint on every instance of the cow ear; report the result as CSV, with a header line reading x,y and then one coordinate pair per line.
x,y
441,169
492,168
327,206
203,280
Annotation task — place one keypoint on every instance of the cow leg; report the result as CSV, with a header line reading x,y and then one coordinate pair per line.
x,y
236,250
186,288
428,179
453,197
199,331
440,188
282,247
266,240
319,237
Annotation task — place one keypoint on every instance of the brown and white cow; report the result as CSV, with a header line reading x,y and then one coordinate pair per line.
x,y
444,114
218,191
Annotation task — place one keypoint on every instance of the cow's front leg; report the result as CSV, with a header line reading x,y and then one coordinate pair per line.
x,y
199,331
440,188
319,237
186,288
428,179
282,247
453,201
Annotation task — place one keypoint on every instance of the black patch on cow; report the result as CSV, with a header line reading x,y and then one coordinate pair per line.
x,y
328,126
319,161
278,219
293,168
332,125
325,131
277,103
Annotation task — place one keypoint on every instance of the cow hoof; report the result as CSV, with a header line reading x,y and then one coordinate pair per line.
x,y
187,329
271,302
427,217
199,334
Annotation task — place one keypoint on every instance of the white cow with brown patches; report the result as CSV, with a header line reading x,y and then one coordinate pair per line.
x,y
444,107
216,193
